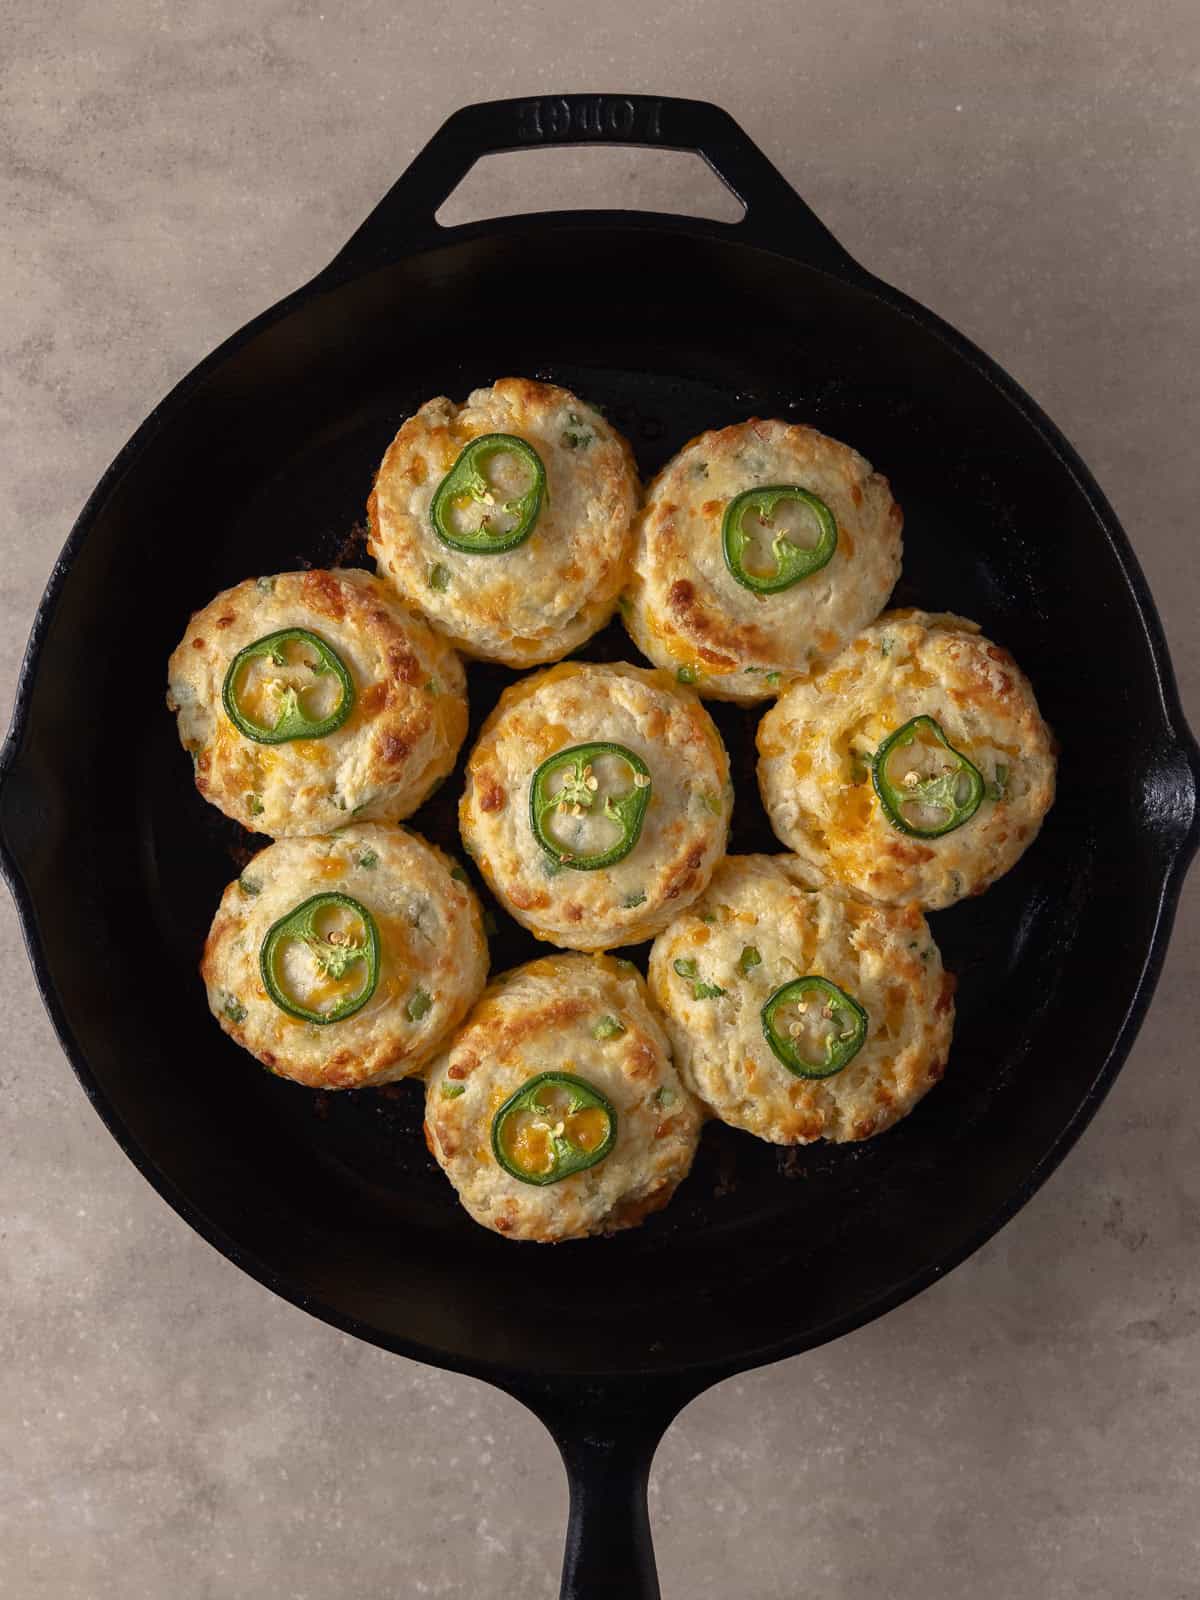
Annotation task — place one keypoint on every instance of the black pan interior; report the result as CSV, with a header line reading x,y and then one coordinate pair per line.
x,y
266,464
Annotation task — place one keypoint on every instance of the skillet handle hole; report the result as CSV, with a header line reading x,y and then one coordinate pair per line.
x,y
607,178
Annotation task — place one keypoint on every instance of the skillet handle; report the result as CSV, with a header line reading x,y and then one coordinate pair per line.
x,y
775,214
607,1434
609,1552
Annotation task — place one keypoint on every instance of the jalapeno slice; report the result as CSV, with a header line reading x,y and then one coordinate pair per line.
x,y
567,794
330,945
813,1015
311,694
926,787
792,561
484,514
553,1126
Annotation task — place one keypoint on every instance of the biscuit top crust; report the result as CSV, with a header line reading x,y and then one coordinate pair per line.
x,y
817,744
583,1015
547,595
685,823
402,735
684,607
760,926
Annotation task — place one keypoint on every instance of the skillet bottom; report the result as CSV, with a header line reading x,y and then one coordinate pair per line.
x,y
356,1161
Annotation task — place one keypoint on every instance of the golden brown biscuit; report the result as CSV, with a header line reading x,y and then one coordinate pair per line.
x,y
430,967
586,1016
759,927
817,751
407,718
543,598
685,779
688,612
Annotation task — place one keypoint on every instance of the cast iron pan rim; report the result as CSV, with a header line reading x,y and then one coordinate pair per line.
x,y
697,1374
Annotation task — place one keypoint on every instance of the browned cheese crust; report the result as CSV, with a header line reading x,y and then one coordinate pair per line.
x,y
816,746
686,611
884,958
686,823
400,740
543,598
431,942
543,1017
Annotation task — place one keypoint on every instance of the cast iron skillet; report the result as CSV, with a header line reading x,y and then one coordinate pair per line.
x,y
262,458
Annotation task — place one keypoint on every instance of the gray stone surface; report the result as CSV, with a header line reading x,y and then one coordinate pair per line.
x,y
1029,1427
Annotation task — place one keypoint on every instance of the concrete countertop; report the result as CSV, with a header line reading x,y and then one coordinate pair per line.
x,y
1028,1427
